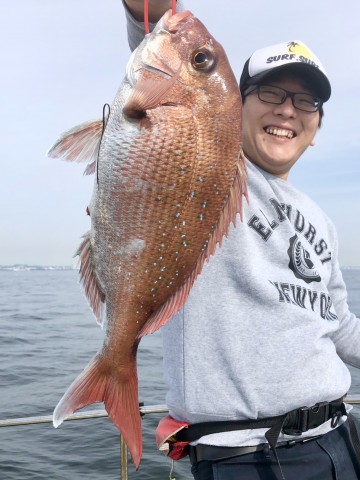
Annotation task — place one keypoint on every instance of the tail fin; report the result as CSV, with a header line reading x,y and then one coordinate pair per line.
x,y
117,389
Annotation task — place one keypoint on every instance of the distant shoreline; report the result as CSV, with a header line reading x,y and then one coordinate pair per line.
x,y
23,268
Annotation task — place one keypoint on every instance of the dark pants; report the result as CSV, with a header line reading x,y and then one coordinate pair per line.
x,y
330,457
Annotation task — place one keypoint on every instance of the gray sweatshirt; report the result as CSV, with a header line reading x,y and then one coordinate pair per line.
x,y
266,328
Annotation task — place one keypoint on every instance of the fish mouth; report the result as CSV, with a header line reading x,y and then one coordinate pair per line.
x,y
280,132
151,68
172,23
158,67
169,24
168,104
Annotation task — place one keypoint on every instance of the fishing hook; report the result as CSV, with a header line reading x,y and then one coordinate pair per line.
x,y
105,120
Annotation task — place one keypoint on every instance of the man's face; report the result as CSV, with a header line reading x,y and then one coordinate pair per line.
x,y
275,136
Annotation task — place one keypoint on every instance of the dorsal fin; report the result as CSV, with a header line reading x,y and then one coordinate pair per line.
x,y
80,144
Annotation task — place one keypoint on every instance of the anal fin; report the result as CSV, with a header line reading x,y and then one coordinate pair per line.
x,y
88,279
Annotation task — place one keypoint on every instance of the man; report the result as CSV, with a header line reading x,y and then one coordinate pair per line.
x,y
266,330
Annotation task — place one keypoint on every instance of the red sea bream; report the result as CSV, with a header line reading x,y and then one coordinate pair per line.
x,y
169,180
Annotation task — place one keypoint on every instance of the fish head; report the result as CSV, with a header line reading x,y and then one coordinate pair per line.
x,y
186,66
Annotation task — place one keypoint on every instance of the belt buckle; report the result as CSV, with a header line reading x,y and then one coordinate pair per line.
x,y
318,414
296,428
308,418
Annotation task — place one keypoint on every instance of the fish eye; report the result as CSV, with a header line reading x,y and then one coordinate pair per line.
x,y
203,59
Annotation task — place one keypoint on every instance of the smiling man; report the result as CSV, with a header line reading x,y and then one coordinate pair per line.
x,y
255,362
292,89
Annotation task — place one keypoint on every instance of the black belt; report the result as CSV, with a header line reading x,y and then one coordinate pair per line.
x,y
213,453
295,423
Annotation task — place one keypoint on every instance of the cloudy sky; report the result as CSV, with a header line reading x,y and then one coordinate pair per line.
x,y
63,59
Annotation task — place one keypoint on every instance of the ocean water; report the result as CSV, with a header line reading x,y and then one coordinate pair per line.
x,y
47,336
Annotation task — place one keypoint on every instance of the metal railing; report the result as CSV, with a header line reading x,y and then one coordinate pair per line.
x,y
13,422
99,413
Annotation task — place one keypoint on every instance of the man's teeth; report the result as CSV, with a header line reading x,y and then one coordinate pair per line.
x,y
280,132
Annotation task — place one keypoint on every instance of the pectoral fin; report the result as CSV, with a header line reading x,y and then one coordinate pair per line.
x,y
148,94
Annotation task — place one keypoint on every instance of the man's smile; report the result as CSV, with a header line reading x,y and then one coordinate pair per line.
x,y
280,132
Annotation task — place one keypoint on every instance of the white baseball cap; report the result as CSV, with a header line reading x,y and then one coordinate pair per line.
x,y
294,56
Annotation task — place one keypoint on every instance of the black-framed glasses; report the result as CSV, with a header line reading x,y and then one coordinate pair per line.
x,y
276,95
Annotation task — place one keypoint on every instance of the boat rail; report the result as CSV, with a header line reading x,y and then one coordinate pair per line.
x,y
99,413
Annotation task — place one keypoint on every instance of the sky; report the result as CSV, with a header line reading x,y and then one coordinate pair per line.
x,y
62,60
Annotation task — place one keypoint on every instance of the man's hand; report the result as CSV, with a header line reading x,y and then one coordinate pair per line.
x,y
157,8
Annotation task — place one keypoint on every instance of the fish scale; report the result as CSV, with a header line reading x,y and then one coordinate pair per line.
x,y
170,180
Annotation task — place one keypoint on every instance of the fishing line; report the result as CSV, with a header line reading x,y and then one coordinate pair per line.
x,y
171,471
146,13
146,16
105,120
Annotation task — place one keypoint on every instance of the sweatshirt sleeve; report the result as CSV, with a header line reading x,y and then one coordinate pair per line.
x,y
347,337
136,30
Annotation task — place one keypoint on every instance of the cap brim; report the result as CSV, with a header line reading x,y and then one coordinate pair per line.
x,y
315,77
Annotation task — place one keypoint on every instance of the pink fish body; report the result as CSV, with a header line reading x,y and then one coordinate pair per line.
x,y
169,180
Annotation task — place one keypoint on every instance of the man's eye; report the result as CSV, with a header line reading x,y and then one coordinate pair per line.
x,y
271,93
307,100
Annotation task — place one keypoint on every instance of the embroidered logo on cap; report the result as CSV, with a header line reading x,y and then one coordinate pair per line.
x,y
297,52
281,54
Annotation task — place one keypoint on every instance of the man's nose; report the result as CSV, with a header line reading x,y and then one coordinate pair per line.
x,y
286,108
